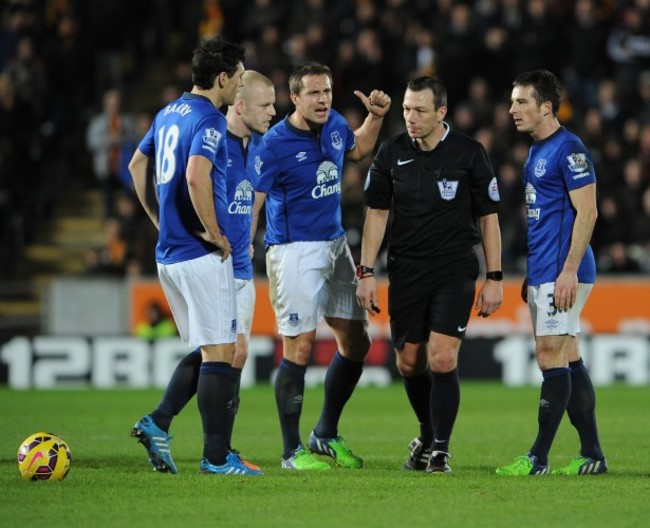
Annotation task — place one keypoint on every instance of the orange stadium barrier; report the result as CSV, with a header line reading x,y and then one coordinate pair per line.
x,y
615,306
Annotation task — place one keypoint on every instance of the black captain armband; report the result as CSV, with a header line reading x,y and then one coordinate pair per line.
x,y
365,271
494,275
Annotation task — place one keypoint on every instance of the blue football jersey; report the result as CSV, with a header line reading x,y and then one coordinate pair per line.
x,y
555,166
188,126
243,170
301,175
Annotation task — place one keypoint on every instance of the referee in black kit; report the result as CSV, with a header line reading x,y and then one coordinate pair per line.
x,y
442,191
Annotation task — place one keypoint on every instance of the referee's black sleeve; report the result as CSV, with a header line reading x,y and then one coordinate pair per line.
x,y
378,189
484,187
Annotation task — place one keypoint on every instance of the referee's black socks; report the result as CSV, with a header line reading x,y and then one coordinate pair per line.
x,y
418,391
445,401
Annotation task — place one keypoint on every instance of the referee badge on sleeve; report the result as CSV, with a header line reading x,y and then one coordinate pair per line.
x,y
447,189
493,190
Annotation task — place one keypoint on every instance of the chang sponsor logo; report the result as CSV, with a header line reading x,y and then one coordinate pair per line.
x,y
531,198
327,181
243,199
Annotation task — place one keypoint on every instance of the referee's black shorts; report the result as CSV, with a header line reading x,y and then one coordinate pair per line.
x,y
426,296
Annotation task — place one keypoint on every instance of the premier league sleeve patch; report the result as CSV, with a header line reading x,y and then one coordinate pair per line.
x,y
578,162
211,138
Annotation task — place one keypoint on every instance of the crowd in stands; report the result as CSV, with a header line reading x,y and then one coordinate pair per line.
x,y
64,63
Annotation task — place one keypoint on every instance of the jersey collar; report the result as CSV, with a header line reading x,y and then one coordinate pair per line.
x,y
414,143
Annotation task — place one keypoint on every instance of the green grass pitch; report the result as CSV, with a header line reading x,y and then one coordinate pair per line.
x,y
111,482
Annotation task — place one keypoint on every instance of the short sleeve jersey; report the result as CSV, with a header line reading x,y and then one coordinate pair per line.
x,y
436,196
301,175
555,166
188,126
244,164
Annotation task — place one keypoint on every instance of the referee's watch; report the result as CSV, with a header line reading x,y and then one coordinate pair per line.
x,y
364,271
494,275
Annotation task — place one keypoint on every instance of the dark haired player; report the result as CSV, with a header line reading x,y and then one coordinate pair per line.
x,y
560,191
442,191
187,141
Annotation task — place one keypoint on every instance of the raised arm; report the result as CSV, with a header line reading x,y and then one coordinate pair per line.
x,y
377,104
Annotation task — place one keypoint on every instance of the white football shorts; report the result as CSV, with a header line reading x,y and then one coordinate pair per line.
x,y
201,294
547,319
245,305
308,280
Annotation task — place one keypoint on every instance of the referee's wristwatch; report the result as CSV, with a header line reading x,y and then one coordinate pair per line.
x,y
365,271
494,275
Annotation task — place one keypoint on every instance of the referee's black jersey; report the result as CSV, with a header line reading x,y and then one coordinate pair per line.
x,y
436,196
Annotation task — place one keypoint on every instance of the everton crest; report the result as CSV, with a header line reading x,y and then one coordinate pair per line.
x,y
337,142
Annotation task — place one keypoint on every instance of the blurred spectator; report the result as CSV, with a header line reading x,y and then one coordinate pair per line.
x,y
142,123
617,260
479,102
66,56
108,257
19,23
108,133
607,102
629,193
212,22
586,44
611,164
644,97
535,42
157,324
27,72
644,153
18,164
628,46
260,14
610,226
640,234
457,46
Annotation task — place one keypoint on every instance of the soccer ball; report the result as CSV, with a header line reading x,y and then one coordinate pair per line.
x,y
44,456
